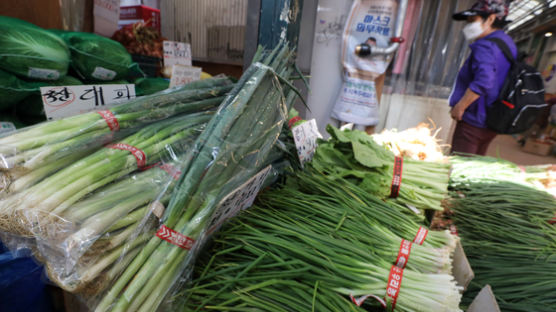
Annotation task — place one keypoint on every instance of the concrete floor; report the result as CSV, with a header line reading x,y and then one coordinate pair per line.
x,y
506,147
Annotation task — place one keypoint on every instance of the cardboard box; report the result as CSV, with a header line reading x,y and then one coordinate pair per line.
x,y
484,301
542,148
139,13
461,269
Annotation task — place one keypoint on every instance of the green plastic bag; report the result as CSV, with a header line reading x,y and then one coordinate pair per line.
x,y
13,89
32,105
146,86
30,51
95,57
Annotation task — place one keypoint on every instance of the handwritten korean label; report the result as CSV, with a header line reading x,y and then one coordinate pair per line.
x,y
182,75
239,199
176,53
65,101
305,137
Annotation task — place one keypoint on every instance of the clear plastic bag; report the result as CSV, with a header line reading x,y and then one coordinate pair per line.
x,y
233,148
50,160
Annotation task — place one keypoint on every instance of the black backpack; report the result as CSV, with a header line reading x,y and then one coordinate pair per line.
x,y
521,98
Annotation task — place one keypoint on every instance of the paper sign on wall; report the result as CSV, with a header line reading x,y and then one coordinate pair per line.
x,y
107,15
182,74
305,137
176,53
65,101
239,199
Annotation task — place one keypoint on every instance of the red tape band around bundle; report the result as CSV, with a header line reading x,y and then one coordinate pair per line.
x,y
403,254
171,170
175,238
137,153
359,301
454,230
110,119
421,236
394,284
396,177
293,121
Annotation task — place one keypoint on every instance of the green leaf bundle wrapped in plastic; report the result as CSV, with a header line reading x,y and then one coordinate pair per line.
x,y
97,58
13,89
30,51
146,86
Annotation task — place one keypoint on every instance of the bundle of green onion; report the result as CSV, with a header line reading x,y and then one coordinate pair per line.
x,y
233,148
40,209
298,250
33,153
105,226
355,156
508,240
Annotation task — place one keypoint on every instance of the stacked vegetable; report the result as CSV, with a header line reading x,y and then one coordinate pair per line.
x,y
505,231
50,168
233,147
418,143
313,243
354,155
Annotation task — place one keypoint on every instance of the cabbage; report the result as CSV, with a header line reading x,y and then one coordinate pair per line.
x,y
30,51
97,58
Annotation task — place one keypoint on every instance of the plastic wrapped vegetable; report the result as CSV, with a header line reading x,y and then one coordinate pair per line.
x,y
97,58
30,51
232,149
146,86
13,89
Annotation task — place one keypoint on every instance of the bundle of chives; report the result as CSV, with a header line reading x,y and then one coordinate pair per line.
x,y
275,236
508,241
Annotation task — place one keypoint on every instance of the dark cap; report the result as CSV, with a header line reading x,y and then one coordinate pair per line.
x,y
485,7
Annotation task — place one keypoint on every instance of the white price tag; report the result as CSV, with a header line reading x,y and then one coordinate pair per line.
x,y
305,137
182,74
6,127
65,101
239,199
176,53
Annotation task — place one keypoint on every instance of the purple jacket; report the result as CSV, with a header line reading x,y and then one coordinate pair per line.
x,y
483,72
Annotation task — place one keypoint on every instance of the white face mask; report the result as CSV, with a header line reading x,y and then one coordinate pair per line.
x,y
473,30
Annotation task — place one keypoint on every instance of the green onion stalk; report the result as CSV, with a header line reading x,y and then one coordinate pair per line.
x,y
231,149
223,282
39,151
38,208
254,247
334,216
376,210
356,156
104,221
507,237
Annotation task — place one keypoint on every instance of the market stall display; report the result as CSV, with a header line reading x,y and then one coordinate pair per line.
x,y
314,242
